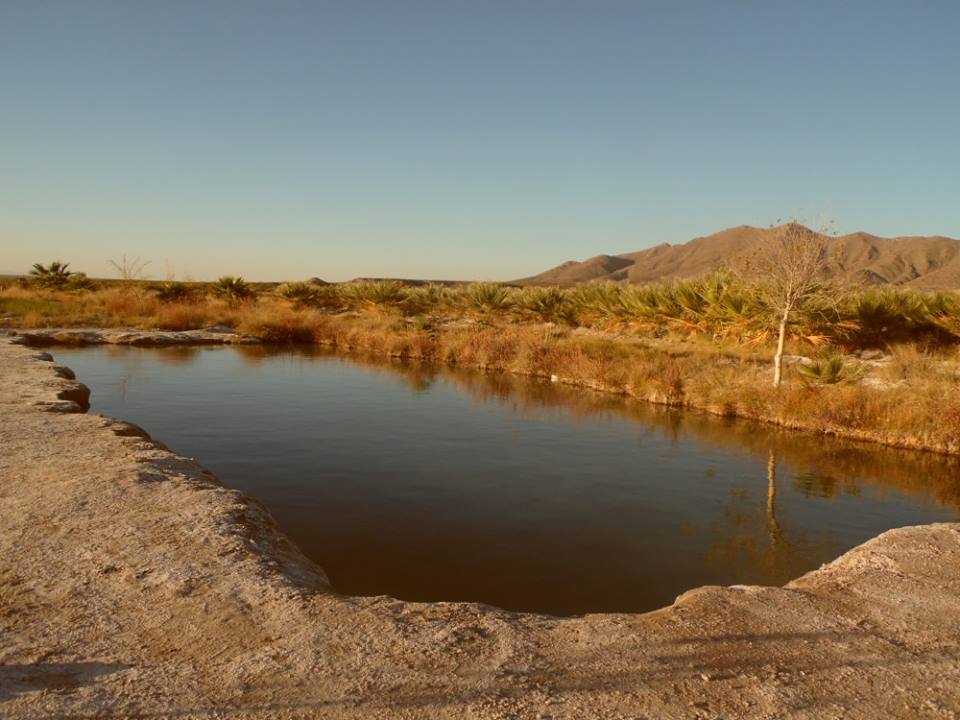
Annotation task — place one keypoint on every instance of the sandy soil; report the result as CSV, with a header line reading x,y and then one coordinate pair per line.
x,y
134,585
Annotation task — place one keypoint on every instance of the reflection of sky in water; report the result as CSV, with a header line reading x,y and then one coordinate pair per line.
x,y
464,486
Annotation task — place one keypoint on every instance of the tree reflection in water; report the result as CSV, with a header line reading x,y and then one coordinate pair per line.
x,y
822,466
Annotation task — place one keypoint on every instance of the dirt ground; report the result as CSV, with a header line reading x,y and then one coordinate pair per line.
x,y
134,585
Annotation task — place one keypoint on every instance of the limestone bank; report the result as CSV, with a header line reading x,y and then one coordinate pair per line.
x,y
133,584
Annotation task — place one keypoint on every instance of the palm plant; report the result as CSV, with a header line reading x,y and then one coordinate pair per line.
x,y
380,293
643,303
486,297
80,281
683,304
550,304
943,311
428,297
737,312
173,292
830,370
599,299
54,275
233,289
301,294
877,315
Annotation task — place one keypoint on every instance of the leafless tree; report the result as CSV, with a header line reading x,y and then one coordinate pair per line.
x,y
129,269
790,271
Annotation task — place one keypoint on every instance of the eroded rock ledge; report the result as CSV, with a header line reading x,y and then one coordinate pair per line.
x,y
215,335
133,584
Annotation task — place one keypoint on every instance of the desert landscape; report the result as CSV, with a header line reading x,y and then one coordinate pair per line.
x,y
506,361
211,608
870,360
116,605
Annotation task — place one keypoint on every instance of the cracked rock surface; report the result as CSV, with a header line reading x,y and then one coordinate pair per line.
x,y
133,584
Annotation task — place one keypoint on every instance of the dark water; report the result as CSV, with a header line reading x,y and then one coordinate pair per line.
x,y
463,486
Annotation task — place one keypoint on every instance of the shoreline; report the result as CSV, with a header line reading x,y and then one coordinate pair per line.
x,y
134,581
224,336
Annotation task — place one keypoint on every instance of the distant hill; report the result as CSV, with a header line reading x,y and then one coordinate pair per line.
x,y
411,282
921,262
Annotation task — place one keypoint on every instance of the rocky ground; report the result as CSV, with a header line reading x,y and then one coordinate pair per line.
x,y
216,335
134,585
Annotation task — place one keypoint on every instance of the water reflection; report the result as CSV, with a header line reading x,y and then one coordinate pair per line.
x,y
822,466
433,483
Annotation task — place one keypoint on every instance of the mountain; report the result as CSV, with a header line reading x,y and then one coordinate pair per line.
x,y
922,262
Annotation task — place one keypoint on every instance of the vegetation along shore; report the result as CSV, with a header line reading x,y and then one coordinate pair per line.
x,y
873,363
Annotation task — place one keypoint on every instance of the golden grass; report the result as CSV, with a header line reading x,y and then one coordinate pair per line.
x,y
920,415
913,400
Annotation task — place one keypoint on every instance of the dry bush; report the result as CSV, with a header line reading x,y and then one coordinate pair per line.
x,y
920,409
911,363
182,316
496,349
278,325
129,302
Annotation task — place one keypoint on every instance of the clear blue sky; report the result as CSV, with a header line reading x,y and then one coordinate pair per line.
x,y
456,139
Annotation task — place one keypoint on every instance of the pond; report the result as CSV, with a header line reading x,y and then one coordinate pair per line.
x,y
440,484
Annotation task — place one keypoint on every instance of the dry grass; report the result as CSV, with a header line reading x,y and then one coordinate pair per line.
x,y
922,415
911,400
717,307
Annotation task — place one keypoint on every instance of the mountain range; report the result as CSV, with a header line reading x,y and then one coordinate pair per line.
x,y
927,263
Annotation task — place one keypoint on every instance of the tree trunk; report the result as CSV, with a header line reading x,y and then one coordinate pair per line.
x,y
778,358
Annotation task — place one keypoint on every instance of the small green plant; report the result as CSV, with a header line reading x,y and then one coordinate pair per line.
x,y
427,297
80,281
599,300
943,311
170,292
306,294
234,290
376,294
56,275
301,294
487,297
550,304
830,370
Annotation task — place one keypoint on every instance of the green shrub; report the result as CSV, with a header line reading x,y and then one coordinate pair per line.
x,y
170,292
232,289
550,304
830,370
80,281
301,294
599,299
943,309
428,297
56,275
376,294
486,297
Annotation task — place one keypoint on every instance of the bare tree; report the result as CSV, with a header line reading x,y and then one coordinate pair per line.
x,y
129,269
790,269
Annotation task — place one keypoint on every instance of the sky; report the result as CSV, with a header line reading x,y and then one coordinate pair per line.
x,y
459,139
